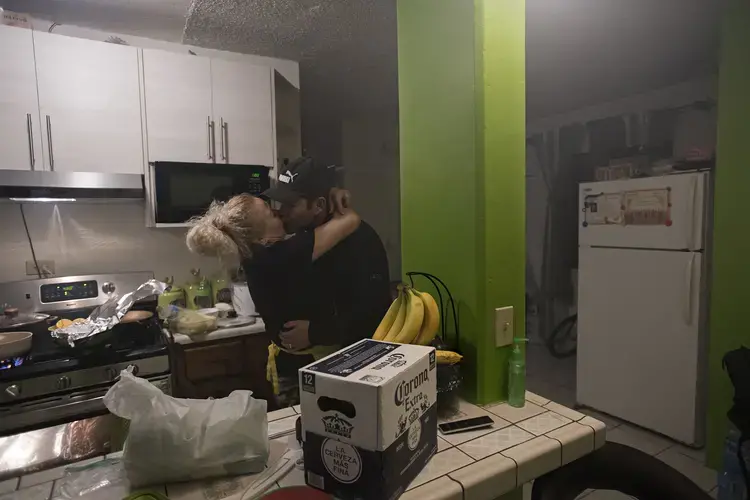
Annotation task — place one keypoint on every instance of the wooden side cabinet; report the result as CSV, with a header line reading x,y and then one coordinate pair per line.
x,y
216,368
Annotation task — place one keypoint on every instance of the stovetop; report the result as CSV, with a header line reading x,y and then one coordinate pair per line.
x,y
125,342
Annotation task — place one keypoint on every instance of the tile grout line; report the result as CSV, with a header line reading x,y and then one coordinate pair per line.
x,y
463,491
561,448
514,461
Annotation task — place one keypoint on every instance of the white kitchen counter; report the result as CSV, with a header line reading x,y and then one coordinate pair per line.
x,y
525,443
221,333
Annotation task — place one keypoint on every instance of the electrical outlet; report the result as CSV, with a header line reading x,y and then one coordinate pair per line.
x,y
503,326
47,268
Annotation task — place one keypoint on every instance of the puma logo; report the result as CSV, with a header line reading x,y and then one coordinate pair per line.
x,y
288,177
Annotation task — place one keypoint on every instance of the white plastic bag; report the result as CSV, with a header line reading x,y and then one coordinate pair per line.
x,y
175,439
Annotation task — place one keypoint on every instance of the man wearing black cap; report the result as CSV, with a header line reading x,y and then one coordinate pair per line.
x,y
351,280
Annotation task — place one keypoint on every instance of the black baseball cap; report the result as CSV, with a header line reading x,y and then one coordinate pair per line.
x,y
302,178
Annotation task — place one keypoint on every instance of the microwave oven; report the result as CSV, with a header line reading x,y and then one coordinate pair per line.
x,y
177,191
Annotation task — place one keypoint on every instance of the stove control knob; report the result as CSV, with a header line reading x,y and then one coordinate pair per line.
x,y
63,382
108,287
13,390
134,369
111,373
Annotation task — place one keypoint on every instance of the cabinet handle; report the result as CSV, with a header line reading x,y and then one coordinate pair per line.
x,y
208,129
49,144
213,140
224,141
30,132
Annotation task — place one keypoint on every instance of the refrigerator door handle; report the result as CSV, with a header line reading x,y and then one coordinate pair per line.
x,y
691,213
688,298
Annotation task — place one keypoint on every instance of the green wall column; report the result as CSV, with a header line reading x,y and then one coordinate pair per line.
x,y
462,152
730,289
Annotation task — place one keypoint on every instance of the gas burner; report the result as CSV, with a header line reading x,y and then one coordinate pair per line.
x,y
7,364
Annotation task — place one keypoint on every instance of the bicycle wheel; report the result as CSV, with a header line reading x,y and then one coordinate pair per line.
x,y
563,341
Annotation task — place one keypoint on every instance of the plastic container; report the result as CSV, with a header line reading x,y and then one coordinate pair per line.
x,y
517,375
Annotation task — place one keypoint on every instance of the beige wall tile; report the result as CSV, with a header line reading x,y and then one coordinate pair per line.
x,y
469,411
535,458
564,411
577,440
8,485
443,488
36,492
600,430
536,398
279,414
441,464
488,478
512,414
495,441
442,444
543,423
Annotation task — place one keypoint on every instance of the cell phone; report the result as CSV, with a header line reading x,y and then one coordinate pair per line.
x,y
468,424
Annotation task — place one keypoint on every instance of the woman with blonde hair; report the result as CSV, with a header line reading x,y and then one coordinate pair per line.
x,y
245,230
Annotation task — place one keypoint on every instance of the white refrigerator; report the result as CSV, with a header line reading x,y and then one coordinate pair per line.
x,y
642,302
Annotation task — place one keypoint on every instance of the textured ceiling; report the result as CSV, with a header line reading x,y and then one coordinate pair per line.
x,y
346,48
579,52
159,19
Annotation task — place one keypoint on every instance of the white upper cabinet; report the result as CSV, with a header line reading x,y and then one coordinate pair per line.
x,y
178,107
243,112
90,108
20,133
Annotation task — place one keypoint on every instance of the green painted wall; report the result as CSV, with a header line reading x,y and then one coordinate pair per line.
x,y
730,293
462,147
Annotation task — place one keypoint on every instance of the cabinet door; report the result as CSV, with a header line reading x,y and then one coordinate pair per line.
x,y
20,134
243,111
90,106
178,106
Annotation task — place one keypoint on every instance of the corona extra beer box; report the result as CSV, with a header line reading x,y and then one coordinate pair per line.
x,y
369,419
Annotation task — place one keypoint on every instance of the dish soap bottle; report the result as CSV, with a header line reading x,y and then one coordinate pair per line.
x,y
517,375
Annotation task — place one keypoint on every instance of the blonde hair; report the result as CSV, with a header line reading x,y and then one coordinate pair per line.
x,y
228,230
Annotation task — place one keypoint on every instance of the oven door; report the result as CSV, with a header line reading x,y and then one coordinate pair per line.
x,y
60,408
179,191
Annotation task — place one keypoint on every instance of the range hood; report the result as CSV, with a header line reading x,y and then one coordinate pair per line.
x,y
20,185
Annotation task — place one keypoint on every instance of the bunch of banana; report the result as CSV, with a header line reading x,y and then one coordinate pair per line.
x,y
413,318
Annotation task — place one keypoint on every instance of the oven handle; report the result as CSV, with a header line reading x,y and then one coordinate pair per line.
x,y
63,407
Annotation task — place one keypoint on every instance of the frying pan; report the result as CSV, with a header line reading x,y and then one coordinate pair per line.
x,y
13,344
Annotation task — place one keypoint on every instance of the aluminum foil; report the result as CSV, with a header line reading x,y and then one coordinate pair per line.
x,y
109,314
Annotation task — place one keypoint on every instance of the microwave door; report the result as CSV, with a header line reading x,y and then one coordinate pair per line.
x,y
185,190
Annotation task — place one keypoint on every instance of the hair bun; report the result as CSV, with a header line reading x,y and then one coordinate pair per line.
x,y
207,238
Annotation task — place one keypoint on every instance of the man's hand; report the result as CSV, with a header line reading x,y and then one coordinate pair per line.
x,y
340,201
295,337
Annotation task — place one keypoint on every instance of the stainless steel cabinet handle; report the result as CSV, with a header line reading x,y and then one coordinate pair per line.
x,y
30,132
208,128
49,144
224,141
213,140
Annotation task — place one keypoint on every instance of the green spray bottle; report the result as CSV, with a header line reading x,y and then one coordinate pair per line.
x,y
517,375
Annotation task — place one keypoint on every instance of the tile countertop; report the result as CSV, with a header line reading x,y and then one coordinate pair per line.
x,y
221,333
524,444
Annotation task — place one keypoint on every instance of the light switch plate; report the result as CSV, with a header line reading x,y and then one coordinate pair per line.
x,y
503,326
